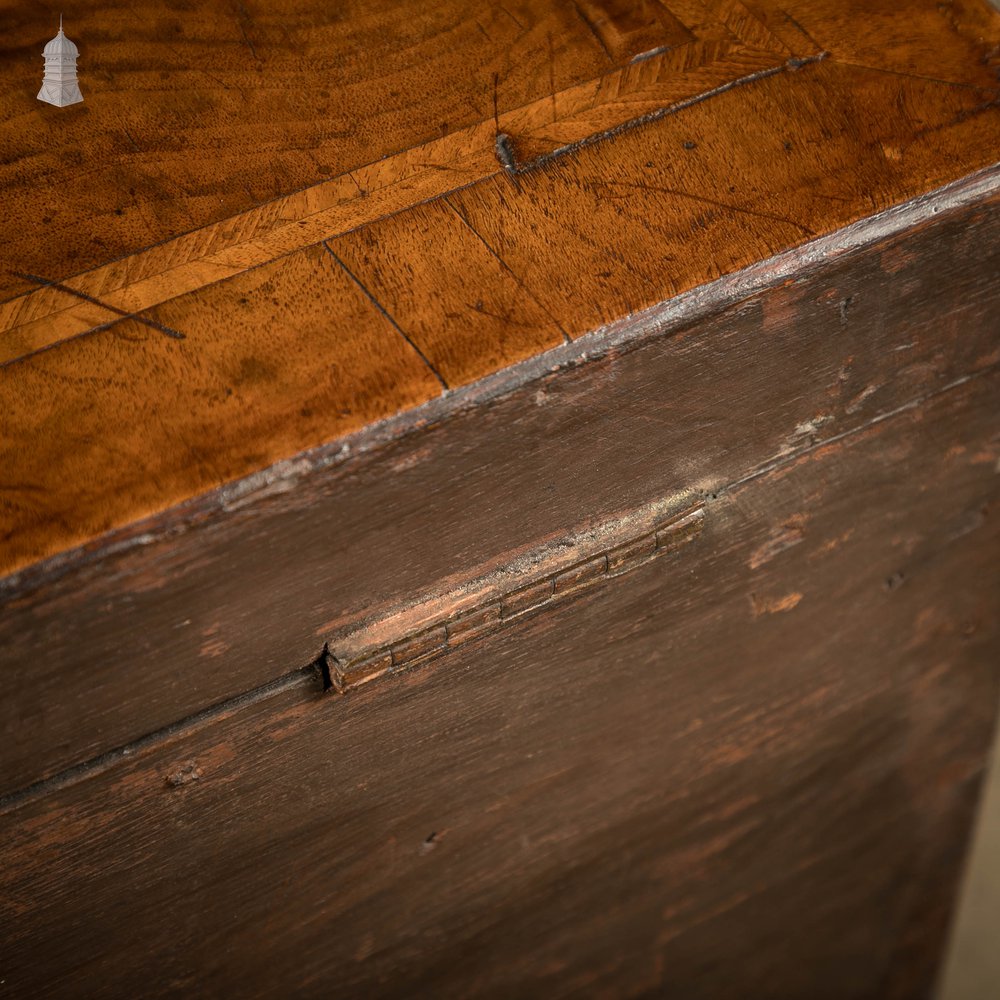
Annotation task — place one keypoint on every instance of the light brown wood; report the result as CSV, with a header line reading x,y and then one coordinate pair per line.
x,y
119,418
192,114
716,57
480,295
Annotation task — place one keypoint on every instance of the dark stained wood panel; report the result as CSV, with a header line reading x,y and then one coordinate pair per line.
x,y
255,590
738,772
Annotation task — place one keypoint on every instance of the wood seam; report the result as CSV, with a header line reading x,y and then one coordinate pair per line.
x,y
412,649
496,608
659,320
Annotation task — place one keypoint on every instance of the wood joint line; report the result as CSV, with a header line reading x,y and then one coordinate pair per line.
x,y
493,606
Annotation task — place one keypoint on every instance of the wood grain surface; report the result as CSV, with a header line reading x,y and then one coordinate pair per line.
x,y
246,594
175,248
610,800
496,499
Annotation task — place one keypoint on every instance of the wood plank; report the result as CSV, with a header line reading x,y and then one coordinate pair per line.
x,y
193,260
663,210
193,115
237,595
479,299
594,234
745,751
271,380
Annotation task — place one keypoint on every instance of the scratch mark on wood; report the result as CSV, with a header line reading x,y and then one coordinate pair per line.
x,y
246,38
812,41
479,236
552,76
663,112
512,17
709,201
46,283
378,305
918,76
496,103
361,190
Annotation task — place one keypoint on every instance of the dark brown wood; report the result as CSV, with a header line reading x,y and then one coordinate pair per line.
x,y
739,772
117,649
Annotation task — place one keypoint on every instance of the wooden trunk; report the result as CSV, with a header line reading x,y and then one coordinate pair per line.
x,y
545,545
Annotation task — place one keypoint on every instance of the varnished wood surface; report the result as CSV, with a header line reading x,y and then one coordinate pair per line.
x,y
612,800
252,593
273,327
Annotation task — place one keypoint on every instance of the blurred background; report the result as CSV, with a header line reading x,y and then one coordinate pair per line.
x,y
972,968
